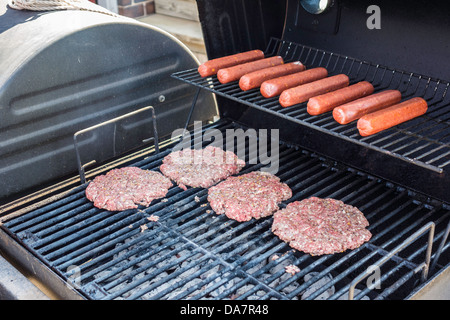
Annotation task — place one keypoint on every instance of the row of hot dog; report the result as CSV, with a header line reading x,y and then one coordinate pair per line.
x,y
294,84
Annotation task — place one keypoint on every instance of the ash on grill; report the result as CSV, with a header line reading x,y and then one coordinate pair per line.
x,y
152,271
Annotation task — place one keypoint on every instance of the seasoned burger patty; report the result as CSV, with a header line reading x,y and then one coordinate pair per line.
x,y
200,168
125,188
321,226
252,195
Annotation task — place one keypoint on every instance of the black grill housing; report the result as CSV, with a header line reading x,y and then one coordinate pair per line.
x,y
117,260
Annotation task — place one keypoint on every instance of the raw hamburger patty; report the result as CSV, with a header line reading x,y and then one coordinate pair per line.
x,y
321,226
125,188
252,195
200,168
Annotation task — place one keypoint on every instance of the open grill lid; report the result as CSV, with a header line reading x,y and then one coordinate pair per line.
x,y
63,71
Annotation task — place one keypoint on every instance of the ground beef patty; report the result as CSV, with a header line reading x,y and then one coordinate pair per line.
x,y
200,168
321,226
252,195
126,188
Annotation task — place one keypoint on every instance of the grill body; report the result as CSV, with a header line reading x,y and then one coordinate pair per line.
x,y
83,252
192,253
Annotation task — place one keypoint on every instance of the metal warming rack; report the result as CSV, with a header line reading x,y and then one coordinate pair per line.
x,y
424,141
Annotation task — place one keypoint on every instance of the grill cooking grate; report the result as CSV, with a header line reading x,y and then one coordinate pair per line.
x,y
192,253
424,141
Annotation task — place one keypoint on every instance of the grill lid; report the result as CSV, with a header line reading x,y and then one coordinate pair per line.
x,y
63,71
192,253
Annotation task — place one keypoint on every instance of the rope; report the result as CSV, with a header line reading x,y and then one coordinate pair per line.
x,y
46,5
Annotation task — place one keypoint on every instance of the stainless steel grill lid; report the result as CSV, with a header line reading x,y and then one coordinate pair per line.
x,y
63,71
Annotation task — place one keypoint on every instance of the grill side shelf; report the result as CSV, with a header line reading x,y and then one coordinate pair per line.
x,y
424,141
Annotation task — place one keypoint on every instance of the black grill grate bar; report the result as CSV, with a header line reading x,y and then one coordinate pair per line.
x,y
240,265
363,195
276,275
216,242
134,284
96,251
426,154
307,186
270,248
205,254
155,207
152,238
144,256
225,272
133,218
350,191
247,259
322,274
79,236
440,112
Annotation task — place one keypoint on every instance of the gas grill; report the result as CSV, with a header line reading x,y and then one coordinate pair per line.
x,y
398,178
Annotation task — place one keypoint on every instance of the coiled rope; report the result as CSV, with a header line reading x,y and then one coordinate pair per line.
x,y
47,5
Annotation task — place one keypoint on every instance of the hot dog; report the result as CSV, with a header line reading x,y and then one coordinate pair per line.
x,y
302,93
276,86
236,72
256,78
391,116
356,109
211,67
328,101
